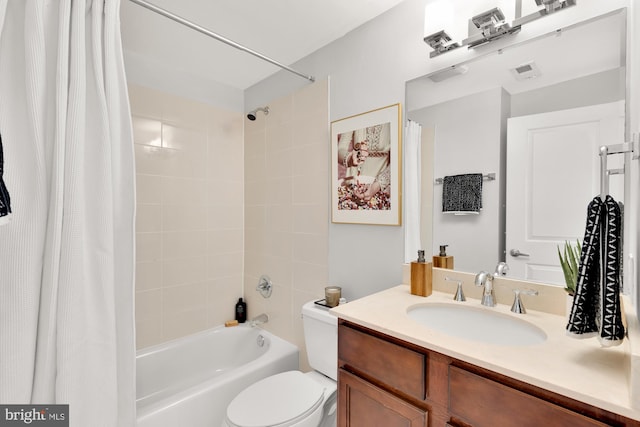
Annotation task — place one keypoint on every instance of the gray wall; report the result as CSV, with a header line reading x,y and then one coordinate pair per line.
x,y
466,145
368,69
601,88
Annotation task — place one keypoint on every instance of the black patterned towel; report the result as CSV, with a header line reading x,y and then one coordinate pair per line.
x,y
5,200
596,305
462,193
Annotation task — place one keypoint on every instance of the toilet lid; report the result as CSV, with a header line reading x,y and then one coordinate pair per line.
x,y
275,400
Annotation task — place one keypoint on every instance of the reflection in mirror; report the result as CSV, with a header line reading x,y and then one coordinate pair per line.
x,y
534,114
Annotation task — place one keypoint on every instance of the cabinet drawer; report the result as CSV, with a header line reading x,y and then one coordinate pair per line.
x,y
486,403
397,367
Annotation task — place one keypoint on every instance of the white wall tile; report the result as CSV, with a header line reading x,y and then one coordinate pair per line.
x,y
286,209
148,275
225,217
280,217
148,189
224,265
177,299
310,248
182,204
225,241
183,323
184,271
311,218
147,131
148,305
183,244
148,218
185,217
184,191
148,332
148,247
280,163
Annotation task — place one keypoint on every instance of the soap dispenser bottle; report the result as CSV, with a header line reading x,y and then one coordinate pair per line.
x,y
421,279
241,311
442,260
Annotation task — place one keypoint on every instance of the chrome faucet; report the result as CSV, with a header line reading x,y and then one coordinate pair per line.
x,y
501,269
486,280
259,320
517,306
488,296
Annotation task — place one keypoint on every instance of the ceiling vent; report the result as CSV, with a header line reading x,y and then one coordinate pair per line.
x,y
526,71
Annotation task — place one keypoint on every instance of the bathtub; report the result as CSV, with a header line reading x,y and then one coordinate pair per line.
x,y
191,380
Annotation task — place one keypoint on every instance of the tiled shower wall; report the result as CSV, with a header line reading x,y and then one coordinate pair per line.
x,y
189,160
286,176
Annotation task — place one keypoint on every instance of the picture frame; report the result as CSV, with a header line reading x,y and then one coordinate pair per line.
x,y
366,163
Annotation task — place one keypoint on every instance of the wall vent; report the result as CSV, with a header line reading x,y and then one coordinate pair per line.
x,y
526,71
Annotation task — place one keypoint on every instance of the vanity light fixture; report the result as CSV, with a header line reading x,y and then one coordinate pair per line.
x,y
440,43
550,6
491,25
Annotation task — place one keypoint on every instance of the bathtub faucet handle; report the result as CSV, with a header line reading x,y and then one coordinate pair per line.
x,y
265,286
259,320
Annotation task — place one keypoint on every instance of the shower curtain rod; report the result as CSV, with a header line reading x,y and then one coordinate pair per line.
x,y
216,36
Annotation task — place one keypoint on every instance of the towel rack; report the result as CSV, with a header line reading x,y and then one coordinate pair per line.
x,y
632,147
486,177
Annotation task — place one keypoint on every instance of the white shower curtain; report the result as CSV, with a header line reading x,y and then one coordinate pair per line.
x,y
66,258
412,188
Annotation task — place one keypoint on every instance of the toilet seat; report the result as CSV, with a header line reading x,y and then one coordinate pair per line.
x,y
280,400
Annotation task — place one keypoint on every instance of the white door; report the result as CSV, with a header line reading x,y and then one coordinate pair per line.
x,y
553,172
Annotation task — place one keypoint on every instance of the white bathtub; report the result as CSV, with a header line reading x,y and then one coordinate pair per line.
x,y
191,380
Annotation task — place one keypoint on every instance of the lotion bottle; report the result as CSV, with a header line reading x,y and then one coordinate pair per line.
x,y
241,311
442,260
421,280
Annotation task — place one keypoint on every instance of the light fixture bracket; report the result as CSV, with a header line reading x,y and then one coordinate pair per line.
x,y
492,26
440,42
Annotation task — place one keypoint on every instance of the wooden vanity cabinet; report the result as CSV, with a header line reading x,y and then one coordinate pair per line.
x,y
387,382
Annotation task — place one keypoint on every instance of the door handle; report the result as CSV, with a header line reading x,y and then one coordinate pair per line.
x,y
517,253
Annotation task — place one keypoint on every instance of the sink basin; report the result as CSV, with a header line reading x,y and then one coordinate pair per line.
x,y
477,324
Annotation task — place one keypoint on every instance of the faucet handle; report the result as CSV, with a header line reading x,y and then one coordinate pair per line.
x,y
517,306
459,296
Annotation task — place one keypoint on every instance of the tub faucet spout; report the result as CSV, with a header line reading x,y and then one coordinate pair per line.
x,y
259,320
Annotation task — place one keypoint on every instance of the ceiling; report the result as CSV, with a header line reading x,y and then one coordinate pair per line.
x,y
284,30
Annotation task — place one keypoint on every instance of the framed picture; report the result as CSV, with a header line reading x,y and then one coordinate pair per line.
x,y
365,168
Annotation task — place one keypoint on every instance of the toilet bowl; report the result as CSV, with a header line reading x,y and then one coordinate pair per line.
x,y
289,399
293,398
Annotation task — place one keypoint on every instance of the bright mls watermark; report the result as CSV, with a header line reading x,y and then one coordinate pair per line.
x,y
34,415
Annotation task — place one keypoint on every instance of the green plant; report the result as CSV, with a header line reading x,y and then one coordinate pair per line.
x,y
569,259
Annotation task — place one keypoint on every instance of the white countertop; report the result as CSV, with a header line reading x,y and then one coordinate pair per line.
x,y
580,369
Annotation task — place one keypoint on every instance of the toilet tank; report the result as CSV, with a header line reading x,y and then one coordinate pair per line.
x,y
321,339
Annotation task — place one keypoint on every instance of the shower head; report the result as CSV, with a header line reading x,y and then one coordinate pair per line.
x,y
252,114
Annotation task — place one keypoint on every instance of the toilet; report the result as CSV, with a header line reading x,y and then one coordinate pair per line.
x,y
294,398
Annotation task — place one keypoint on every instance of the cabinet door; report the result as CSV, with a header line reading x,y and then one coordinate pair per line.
x,y
365,405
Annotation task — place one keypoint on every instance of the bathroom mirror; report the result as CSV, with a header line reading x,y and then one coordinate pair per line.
x,y
568,88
